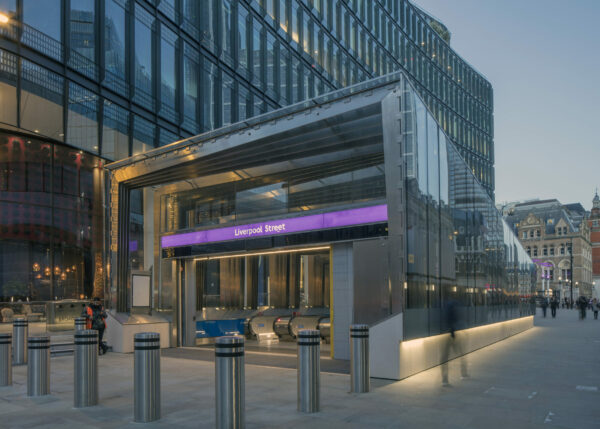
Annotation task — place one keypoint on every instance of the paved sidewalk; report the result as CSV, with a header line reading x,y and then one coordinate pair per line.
x,y
545,377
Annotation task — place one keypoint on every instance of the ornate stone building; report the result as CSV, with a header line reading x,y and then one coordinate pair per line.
x,y
557,237
594,225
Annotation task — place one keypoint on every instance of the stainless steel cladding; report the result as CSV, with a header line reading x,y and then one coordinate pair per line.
x,y
263,328
304,322
325,329
360,380
20,334
5,359
80,323
282,327
86,368
38,366
146,377
309,371
230,384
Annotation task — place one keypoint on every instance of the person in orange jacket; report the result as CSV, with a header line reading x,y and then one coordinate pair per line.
x,y
95,319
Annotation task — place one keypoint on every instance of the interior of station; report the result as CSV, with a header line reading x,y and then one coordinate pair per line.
x,y
265,296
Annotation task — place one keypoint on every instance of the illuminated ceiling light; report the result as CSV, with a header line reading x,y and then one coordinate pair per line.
x,y
272,252
4,18
36,131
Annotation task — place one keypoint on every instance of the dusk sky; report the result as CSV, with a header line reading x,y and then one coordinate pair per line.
x,y
542,58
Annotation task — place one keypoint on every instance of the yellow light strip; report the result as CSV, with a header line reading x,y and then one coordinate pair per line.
x,y
272,252
420,341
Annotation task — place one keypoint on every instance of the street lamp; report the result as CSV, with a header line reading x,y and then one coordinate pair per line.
x,y
4,18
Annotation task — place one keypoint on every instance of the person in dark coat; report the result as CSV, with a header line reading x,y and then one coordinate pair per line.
x,y
553,306
595,308
582,304
454,345
544,305
95,319
532,304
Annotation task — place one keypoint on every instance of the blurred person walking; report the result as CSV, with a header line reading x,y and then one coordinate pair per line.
x,y
544,305
553,306
582,304
454,345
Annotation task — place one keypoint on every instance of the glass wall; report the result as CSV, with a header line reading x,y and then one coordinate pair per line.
x,y
283,51
295,280
460,252
292,192
51,204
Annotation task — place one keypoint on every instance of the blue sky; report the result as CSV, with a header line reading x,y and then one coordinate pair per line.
x,y
542,58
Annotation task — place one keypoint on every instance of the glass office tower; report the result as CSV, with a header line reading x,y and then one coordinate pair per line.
x,y
101,80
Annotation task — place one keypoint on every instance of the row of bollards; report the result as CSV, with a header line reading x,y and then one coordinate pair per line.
x,y
229,370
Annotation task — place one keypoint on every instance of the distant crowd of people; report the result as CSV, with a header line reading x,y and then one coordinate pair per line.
x,y
582,303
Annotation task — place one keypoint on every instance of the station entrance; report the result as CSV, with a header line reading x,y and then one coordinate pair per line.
x,y
266,296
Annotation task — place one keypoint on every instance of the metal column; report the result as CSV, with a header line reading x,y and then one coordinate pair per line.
x,y
5,359
230,384
80,323
86,368
309,370
146,401
38,366
20,334
360,380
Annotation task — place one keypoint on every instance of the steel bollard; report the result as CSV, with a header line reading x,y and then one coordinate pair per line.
x,y
5,359
80,323
146,377
38,366
360,379
230,384
86,368
20,334
309,371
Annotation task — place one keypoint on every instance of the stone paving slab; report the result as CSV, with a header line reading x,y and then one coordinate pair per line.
x,y
527,381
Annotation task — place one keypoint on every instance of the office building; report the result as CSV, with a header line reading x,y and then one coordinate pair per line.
x,y
88,82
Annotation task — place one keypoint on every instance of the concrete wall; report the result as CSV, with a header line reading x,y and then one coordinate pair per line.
x,y
417,355
384,338
119,335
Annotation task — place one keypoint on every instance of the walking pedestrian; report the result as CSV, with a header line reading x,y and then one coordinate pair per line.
x,y
453,345
553,306
595,308
95,319
544,305
532,304
582,303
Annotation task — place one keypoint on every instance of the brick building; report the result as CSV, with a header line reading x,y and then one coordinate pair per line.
x,y
594,225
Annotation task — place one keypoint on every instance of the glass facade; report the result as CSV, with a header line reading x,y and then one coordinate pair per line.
x,y
107,79
459,248
51,205
241,57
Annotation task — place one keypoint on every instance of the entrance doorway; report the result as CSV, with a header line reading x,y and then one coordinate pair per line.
x,y
265,296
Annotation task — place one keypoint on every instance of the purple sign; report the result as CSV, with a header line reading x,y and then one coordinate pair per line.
x,y
338,219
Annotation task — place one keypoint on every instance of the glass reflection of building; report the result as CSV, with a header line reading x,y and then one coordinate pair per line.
x,y
116,78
